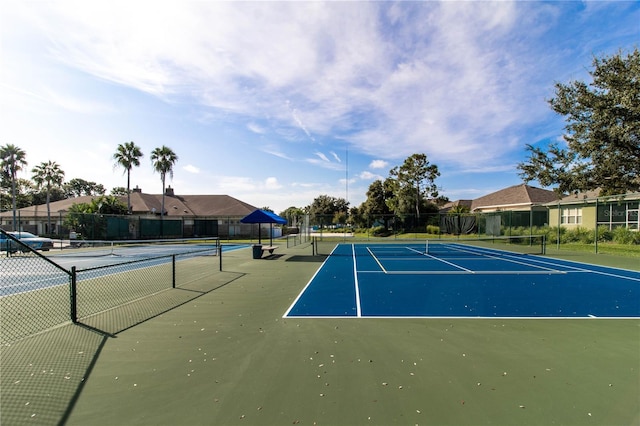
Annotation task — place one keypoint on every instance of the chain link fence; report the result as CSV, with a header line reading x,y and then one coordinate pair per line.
x,y
29,306
38,293
505,223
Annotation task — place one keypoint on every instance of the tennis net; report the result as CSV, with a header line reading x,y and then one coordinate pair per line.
x,y
529,244
140,248
441,247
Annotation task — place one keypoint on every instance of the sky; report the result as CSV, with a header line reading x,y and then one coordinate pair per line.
x,y
277,103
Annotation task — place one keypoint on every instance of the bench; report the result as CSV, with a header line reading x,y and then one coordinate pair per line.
x,y
270,249
258,250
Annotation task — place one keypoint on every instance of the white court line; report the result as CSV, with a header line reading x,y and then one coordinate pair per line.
x,y
480,252
286,314
533,260
376,259
458,317
516,272
580,269
551,268
469,271
355,279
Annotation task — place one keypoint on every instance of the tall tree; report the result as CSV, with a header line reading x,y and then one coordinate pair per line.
x,y
12,160
602,132
25,194
324,208
48,175
416,180
77,187
119,190
293,215
163,159
87,218
126,156
376,206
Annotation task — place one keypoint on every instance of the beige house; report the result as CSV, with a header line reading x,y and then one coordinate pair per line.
x,y
184,216
499,212
514,198
589,209
524,205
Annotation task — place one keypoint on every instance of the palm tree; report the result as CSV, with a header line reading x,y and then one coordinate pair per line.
x,y
127,156
163,159
48,175
12,161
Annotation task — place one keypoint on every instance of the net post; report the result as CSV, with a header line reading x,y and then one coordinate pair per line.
x,y
173,271
219,250
544,244
74,295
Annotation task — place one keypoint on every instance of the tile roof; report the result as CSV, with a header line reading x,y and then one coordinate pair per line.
x,y
177,206
452,204
592,195
514,195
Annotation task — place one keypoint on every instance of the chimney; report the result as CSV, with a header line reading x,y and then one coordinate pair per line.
x,y
169,191
136,189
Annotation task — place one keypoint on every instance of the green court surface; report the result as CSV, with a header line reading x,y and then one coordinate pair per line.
x,y
228,357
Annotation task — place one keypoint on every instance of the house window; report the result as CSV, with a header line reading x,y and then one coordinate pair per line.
x,y
572,216
619,214
633,219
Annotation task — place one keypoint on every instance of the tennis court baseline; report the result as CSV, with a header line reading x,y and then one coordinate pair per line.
x,y
459,280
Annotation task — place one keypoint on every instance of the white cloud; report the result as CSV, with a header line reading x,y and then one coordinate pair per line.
x,y
463,82
378,164
444,84
322,157
235,184
271,183
323,62
275,151
191,169
366,175
345,181
324,161
505,168
256,128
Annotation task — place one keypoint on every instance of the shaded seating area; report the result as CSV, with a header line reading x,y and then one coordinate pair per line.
x,y
263,216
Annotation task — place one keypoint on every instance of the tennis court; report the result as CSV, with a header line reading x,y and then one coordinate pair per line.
x,y
456,279
228,357
95,283
99,255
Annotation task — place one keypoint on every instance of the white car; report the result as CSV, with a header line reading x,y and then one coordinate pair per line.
x,y
33,241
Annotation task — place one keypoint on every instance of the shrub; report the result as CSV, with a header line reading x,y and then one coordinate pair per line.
x,y
433,229
622,235
380,231
604,234
520,230
577,235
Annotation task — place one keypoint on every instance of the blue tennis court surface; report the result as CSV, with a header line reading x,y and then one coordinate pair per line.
x,y
129,259
359,280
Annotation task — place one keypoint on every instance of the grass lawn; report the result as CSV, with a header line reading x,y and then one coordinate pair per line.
x,y
229,358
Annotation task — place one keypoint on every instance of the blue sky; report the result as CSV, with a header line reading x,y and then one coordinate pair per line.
x,y
276,103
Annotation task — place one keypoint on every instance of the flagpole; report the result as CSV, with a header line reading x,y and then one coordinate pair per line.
x,y
346,176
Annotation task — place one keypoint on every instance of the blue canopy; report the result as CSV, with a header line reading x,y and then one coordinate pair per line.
x,y
263,216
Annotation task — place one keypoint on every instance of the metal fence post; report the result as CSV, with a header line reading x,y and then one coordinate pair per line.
x,y
74,296
173,271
